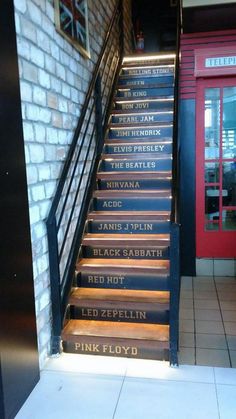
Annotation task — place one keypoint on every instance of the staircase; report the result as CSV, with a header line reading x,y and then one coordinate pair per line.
x,y
120,305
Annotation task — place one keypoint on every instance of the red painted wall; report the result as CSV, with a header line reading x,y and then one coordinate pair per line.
x,y
190,42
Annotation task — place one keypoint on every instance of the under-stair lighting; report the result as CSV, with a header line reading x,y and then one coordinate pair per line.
x,y
142,127
146,100
138,58
141,113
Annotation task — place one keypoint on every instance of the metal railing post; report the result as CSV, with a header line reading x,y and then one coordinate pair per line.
x,y
55,286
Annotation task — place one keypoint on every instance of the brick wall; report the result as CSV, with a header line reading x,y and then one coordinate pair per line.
x,y
54,79
127,21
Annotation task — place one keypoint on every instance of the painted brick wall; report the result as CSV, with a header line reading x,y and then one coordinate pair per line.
x,y
54,79
127,27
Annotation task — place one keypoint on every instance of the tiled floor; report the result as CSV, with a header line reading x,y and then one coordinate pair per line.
x,y
208,321
92,387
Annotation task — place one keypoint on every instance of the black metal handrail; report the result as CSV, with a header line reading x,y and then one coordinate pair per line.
x,y
175,227
67,215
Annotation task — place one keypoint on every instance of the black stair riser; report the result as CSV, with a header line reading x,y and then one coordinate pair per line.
x,y
146,165
127,227
145,132
137,185
165,148
123,281
142,119
103,346
119,252
145,81
132,204
121,314
160,71
163,105
145,93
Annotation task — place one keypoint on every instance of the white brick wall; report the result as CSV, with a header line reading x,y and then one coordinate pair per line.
x,y
54,78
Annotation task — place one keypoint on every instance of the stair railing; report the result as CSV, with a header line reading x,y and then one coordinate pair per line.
x,y
67,215
175,226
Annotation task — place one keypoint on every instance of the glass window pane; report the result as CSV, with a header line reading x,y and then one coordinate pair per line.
x,y
229,122
229,220
212,123
211,172
212,208
229,184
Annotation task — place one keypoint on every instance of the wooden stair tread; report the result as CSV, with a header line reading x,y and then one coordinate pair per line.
x,y
165,215
120,112
136,296
151,63
134,175
155,85
108,194
125,240
109,329
153,237
148,76
135,156
110,141
161,124
137,265
157,98
135,140
129,217
146,125
122,263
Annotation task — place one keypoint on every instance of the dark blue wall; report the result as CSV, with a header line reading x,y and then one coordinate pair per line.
x,y
187,186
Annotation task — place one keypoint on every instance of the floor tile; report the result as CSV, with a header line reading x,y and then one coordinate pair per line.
x,y
186,303
231,342
206,304
187,294
232,355
205,295
204,286
228,305
212,357
49,396
212,327
203,280
225,280
87,364
186,278
142,368
201,314
210,341
226,287
186,340
226,400
227,296
186,313
154,399
186,326
225,376
228,315
186,356
186,283
230,328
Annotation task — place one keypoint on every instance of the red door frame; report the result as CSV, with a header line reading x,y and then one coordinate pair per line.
x,y
220,244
